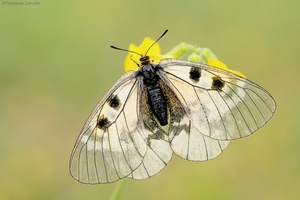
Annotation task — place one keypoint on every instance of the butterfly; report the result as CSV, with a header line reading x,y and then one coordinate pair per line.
x,y
172,107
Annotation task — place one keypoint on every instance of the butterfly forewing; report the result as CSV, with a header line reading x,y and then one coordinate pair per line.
x,y
220,104
110,149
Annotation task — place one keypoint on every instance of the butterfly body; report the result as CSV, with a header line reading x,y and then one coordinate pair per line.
x,y
204,107
156,98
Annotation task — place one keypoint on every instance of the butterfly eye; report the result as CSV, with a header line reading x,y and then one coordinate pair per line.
x,y
144,58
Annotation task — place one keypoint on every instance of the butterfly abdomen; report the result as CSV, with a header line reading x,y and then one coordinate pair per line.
x,y
158,104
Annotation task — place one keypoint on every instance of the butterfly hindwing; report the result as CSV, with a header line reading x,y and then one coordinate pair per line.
x,y
220,104
186,141
158,153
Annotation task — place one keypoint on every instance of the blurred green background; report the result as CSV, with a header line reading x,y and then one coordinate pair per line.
x,y
56,63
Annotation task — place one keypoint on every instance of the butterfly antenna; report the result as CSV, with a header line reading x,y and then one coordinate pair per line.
x,y
156,41
117,48
134,61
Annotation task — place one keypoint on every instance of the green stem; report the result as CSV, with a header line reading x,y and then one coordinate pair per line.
x,y
115,195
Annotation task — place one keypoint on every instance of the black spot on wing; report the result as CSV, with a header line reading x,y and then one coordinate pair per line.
x,y
114,102
217,83
195,74
103,122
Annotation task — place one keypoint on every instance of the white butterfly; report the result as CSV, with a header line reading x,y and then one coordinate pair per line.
x,y
176,106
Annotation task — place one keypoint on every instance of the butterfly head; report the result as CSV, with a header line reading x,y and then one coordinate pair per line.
x,y
144,60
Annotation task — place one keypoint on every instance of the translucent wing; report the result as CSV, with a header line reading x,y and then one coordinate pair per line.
x,y
114,141
219,104
159,152
207,108
185,139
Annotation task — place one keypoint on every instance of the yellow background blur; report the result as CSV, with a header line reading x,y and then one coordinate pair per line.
x,y
56,63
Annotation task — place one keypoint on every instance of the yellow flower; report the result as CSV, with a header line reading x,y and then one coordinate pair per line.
x,y
218,64
153,53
